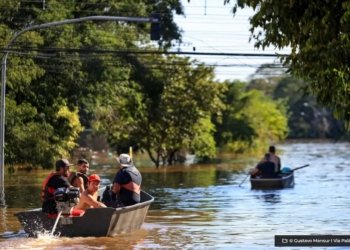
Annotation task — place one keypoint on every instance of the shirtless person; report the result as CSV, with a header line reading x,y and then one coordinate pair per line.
x,y
88,198
80,179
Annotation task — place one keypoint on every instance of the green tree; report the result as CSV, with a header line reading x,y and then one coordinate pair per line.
x,y
57,76
318,34
33,140
307,118
173,104
251,120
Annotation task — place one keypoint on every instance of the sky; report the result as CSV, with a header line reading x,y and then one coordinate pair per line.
x,y
209,26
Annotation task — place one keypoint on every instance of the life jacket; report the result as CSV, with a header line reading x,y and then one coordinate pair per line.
x,y
74,175
45,189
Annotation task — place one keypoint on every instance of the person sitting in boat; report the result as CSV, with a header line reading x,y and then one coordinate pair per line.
x,y
127,182
52,182
79,179
265,169
275,159
88,198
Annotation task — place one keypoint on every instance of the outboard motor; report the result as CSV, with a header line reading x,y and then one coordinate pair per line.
x,y
66,199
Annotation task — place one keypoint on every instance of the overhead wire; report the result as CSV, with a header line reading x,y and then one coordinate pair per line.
x,y
196,19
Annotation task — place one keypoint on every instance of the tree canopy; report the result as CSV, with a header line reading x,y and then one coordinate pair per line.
x,y
306,117
56,76
318,34
251,120
168,111
93,75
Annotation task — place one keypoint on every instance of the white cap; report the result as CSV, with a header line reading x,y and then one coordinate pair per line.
x,y
124,160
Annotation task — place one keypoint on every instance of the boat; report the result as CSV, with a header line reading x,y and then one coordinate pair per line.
x,y
95,222
283,181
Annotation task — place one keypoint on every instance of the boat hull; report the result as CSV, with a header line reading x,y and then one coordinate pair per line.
x,y
285,181
96,222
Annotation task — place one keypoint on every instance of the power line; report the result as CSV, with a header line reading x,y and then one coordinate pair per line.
x,y
146,52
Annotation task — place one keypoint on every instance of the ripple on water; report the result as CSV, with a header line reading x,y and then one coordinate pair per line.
x,y
214,213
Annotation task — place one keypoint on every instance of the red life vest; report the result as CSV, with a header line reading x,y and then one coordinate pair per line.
x,y
44,187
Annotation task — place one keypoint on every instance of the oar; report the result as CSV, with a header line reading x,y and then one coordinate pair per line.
x,y
300,167
244,180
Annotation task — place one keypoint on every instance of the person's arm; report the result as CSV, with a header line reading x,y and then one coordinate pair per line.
x,y
89,199
79,182
116,188
254,171
118,180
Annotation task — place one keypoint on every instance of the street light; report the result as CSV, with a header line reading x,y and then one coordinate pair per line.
x,y
151,19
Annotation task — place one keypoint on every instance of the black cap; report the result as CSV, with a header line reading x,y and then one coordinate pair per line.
x,y
61,163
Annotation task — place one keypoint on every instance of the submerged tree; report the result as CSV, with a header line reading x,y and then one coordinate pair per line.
x,y
173,103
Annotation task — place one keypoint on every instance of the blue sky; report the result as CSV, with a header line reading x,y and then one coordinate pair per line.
x,y
209,26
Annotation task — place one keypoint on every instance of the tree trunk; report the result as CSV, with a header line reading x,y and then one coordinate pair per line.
x,y
153,159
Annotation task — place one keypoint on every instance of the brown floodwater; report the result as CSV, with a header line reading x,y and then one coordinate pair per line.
x,y
201,206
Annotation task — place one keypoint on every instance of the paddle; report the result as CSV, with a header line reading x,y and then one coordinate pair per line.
x,y
304,166
244,180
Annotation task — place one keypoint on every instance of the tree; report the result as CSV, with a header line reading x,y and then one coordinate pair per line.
x,y
31,140
307,118
318,34
49,86
251,120
173,103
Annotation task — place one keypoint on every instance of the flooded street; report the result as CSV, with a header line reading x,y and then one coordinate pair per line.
x,y
203,207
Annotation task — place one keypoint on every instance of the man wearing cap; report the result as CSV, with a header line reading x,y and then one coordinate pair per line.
x,y
127,182
52,182
88,198
79,179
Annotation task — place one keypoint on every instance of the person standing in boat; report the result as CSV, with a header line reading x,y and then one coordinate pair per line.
x,y
52,182
275,159
127,182
79,179
88,198
265,168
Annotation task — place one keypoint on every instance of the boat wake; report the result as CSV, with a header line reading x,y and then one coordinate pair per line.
x,y
20,240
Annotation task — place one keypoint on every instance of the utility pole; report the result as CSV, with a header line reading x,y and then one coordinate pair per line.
x,y
3,74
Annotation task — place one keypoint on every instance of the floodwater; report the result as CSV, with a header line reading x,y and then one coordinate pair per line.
x,y
203,207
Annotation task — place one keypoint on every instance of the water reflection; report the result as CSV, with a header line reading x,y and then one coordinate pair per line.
x,y
188,177
269,198
203,207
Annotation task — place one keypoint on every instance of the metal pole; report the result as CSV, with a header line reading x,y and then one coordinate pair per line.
x,y
2,129
3,74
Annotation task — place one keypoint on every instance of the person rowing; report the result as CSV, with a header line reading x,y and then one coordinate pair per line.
x,y
265,168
